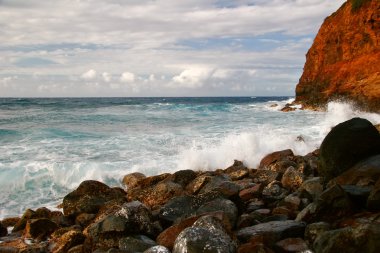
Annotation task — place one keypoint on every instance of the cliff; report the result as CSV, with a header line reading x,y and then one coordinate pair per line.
x,y
344,60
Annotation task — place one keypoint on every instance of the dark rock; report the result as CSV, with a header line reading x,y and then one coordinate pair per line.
x,y
206,235
20,225
10,222
8,249
363,238
137,243
157,194
251,192
229,189
84,219
89,197
254,205
220,204
184,206
288,108
358,194
346,144
275,157
39,228
3,230
312,187
313,230
254,248
157,249
66,241
273,231
373,201
273,191
168,236
214,183
183,177
76,249
292,202
131,180
150,181
332,204
289,245
292,179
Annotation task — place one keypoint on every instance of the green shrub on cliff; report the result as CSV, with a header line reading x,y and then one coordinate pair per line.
x,y
356,4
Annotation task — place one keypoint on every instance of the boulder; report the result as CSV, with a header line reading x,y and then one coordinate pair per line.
x,y
21,223
312,187
274,157
67,241
39,228
313,230
345,145
206,235
373,201
289,245
3,230
131,180
136,243
214,183
150,181
266,176
157,249
223,205
273,231
197,184
237,171
273,192
183,177
89,197
251,192
363,238
157,194
292,179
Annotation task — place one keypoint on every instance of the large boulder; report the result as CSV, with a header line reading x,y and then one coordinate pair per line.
x,y
3,230
346,144
67,241
206,235
136,243
39,228
89,197
269,160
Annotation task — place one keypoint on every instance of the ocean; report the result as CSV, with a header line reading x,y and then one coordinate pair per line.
x,y
48,146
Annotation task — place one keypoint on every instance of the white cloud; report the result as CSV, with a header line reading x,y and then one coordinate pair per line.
x,y
193,77
127,77
89,75
106,77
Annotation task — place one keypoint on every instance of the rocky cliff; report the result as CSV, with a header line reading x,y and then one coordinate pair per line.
x,y
344,60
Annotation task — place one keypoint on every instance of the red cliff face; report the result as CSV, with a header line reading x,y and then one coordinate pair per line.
x,y
344,60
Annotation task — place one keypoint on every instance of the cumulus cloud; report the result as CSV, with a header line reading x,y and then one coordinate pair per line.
x,y
89,75
193,77
127,77
106,77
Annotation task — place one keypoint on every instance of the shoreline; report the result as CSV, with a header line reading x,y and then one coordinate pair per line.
x,y
288,201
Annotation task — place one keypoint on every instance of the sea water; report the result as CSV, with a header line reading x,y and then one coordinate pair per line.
x,y
48,146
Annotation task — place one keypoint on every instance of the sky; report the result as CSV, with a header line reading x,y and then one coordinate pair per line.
x,y
92,48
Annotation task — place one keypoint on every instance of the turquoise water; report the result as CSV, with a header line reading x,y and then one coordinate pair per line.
x,y
48,146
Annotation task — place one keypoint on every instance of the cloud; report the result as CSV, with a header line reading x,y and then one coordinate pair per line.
x,y
127,77
106,77
193,77
89,75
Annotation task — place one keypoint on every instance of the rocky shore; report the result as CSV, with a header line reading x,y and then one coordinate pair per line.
x,y
325,201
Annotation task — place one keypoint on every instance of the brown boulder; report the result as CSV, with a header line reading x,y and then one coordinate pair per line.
x,y
131,180
39,228
292,179
275,157
289,245
67,241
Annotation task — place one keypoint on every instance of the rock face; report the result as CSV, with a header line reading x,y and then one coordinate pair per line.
x,y
344,60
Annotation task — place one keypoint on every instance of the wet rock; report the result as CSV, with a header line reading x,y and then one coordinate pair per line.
x,y
197,184
206,235
10,221
67,241
312,187
184,206
237,171
84,219
229,189
214,183
275,157
273,231
254,205
137,243
20,225
39,228
293,202
76,249
289,245
156,195
220,204
345,145
131,180
266,176
273,192
288,108
183,177
3,230
292,179
157,249
251,192
373,201
168,236
333,203
313,230
363,238
89,197
254,248
364,173
358,194
150,181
